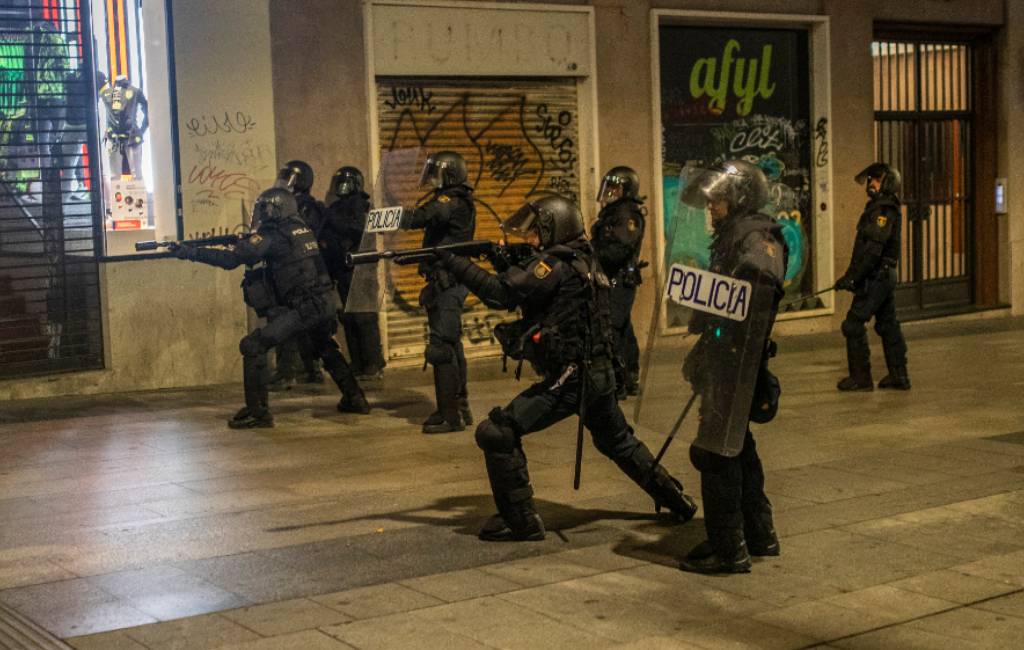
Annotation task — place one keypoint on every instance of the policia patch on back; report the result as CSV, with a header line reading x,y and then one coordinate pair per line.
x,y
541,270
882,220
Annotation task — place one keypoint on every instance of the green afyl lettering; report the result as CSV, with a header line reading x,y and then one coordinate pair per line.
x,y
709,78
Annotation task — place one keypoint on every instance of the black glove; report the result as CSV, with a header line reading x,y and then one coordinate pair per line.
x,y
444,257
845,283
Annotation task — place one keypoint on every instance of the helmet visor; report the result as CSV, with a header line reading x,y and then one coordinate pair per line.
x,y
432,174
704,186
345,186
612,189
519,225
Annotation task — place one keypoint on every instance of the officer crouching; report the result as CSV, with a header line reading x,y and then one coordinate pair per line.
x,y
564,333
287,281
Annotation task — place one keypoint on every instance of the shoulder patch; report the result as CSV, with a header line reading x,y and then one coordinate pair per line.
x,y
444,198
769,248
632,225
542,270
882,220
255,239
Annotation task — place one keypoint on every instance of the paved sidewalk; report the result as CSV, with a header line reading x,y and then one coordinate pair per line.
x,y
141,521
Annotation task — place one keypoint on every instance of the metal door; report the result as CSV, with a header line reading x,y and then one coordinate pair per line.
x,y
923,126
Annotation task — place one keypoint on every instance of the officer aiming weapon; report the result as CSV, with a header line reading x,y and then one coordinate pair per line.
x,y
501,256
216,240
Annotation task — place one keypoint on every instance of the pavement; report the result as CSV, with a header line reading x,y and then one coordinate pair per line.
x,y
141,521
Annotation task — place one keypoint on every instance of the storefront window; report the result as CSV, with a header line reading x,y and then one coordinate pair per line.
x,y
132,98
737,93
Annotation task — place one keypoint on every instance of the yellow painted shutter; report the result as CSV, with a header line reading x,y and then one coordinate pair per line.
x,y
519,137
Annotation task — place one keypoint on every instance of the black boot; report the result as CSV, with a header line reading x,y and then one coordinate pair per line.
x,y
514,522
858,361
247,418
667,492
446,387
465,412
354,404
759,530
725,551
897,379
280,383
352,398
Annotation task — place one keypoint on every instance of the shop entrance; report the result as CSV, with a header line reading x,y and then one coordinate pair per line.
x,y
925,126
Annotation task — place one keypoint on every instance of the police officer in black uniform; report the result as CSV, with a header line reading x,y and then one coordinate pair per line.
x,y
617,235
449,217
746,245
564,333
296,176
341,233
290,275
871,277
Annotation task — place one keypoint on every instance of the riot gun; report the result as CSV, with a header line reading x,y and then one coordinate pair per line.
x,y
501,256
216,240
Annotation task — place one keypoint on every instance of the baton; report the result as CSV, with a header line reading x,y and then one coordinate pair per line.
x,y
803,298
675,429
579,429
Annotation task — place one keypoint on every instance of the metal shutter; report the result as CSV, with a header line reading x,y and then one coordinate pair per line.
x,y
49,280
518,137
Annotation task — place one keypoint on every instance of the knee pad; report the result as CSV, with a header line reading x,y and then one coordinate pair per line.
x,y
439,353
250,345
705,461
491,436
853,328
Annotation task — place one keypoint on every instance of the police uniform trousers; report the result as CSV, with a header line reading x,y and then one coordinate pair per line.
x,y
735,505
444,351
311,323
875,297
626,347
294,358
540,406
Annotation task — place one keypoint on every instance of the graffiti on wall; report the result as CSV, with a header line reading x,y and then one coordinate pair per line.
x,y
517,141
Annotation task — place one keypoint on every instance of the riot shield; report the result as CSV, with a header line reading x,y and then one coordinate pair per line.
x,y
394,194
719,286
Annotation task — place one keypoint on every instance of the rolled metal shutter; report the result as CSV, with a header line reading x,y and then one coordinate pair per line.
x,y
50,317
519,137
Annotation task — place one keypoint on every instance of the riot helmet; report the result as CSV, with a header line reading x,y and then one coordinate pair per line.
x,y
296,176
347,180
274,204
891,181
555,218
740,184
618,183
443,170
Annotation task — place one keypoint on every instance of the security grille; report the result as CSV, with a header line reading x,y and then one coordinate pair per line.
x,y
923,125
49,289
518,137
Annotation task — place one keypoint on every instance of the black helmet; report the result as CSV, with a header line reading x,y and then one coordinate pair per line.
x,y
274,204
739,182
556,218
892,182
619,183
296,175
347,180
444,169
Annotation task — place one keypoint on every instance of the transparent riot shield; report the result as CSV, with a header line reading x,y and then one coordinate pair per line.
x,y
719,282
395,193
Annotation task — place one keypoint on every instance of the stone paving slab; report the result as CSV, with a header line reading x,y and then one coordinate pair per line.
x,y
141,521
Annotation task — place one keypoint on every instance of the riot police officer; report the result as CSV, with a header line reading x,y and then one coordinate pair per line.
x,y
871,277
293,279
296,176
449,217
617,235
564,333
728,368
341,233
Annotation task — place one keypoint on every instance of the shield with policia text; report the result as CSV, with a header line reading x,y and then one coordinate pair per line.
x,y
719,284
394,196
